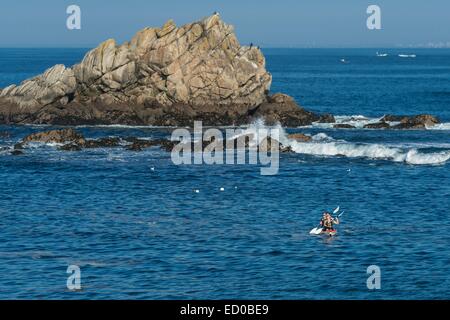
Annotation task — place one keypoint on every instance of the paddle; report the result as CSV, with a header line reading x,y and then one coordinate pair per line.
x,y
318,230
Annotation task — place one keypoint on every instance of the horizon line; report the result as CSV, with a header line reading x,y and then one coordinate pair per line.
x,y
262,47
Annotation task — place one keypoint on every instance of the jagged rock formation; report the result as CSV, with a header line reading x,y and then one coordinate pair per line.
x,y
163,76
421,121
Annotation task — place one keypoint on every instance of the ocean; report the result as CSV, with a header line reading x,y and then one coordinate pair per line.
x,y
140,227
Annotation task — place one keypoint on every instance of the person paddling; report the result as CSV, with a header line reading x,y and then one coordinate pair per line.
x,y
328,222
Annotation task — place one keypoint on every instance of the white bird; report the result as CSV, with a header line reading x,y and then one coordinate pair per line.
x,y
222,189
197,191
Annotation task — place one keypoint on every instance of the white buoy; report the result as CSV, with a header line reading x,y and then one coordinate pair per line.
x,y
197,191
152,168
222,189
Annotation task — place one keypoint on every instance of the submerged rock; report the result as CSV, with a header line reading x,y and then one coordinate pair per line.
x,y
70,147
18,146
327,118
140,144
72,140
56,136
378,125
282,109
107,142
343,126
5,134
300,137
413,122
16,153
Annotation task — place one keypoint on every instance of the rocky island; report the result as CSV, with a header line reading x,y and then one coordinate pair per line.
x,y
168,76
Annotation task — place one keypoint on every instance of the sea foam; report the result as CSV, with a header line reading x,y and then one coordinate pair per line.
x,y
325,146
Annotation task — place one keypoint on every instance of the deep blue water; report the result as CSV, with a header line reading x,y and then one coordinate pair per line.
x,y
139,233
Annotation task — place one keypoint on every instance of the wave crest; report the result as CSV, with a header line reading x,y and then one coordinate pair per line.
x,y
322,144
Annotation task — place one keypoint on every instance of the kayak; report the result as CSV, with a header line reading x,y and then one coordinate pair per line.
x,y
319,231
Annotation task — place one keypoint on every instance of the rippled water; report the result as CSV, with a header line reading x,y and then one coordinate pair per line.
x,y
140,233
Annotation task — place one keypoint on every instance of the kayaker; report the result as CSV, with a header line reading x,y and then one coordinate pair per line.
x,y
328,222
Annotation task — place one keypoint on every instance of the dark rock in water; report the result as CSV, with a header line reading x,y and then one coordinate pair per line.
x,y
168,76
70,147
343,126
417,122
378,125
16,153
56,136
393,118
300,137
327,118
267,144
282,109
139,145
102,143
18,146
168,145
240,142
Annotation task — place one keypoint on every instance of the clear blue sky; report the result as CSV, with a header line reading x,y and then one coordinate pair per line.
x,y
280,23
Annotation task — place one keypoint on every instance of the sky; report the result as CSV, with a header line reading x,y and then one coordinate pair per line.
x,y
268,23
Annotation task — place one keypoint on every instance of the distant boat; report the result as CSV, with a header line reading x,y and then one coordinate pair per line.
x,y
382,54
344,61
407,55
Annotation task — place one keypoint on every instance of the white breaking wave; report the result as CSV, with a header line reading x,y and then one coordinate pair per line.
x,y
359,121
440,126
371,151
325,146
